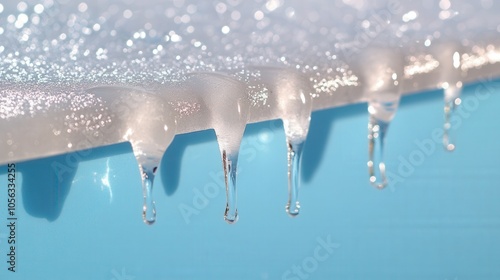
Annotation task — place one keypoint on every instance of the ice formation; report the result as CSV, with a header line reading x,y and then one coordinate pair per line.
x,y
76,75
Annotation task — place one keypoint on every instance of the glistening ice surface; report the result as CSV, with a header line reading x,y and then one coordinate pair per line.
x,y
52,51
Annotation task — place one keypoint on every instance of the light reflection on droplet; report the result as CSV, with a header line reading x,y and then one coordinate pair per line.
x,y
444,4
22,6
272,5
411,15
22,19
11,18
221,8
127,14
191,9
82,7
225,29
235,15
258,15
38,8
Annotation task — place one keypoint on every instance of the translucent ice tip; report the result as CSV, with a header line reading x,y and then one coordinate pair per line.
x,y
229,162
148,207
376,166
294,157
451,102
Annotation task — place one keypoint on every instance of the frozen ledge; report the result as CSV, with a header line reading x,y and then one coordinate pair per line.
x,y
48,119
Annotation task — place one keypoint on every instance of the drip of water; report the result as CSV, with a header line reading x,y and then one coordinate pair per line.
x,y
148,207
294,161
377,130
451,102
229,162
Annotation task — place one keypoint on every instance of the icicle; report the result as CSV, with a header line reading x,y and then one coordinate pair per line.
x,y
451,102
294,160
381,70
377,129
449,78
225,105
147,122
291,94
452,91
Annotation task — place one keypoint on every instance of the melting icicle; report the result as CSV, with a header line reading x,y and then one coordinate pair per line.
x,y
381,70
449,77
381,114
225,105
147,122
295,133
451,102
291,94
229,155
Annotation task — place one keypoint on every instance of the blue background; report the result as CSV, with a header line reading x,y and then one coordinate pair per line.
x,y
439,219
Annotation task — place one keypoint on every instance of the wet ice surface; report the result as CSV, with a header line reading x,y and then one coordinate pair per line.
x,y
77,75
